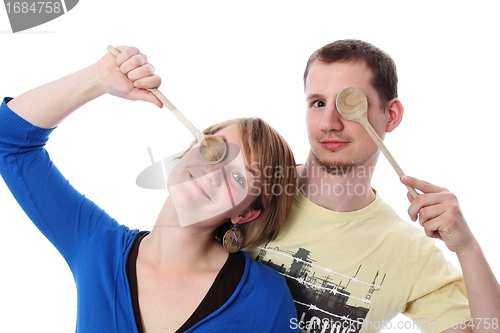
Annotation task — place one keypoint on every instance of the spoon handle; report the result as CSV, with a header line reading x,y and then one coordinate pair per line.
x,y
197,134
387,154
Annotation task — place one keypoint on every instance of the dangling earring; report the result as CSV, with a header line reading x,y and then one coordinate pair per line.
x,y
233,239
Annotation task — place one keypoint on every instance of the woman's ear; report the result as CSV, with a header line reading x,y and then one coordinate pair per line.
x,y
245,216
395,114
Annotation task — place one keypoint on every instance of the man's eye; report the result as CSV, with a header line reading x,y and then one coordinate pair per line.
x,y
239,179
319,104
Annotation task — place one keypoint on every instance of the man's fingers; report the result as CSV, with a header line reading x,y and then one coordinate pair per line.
x,y
424,205
423,186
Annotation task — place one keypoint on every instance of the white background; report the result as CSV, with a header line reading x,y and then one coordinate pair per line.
x,y
224,59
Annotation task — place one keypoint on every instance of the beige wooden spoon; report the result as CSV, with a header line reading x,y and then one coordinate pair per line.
x,y
212,148
352,105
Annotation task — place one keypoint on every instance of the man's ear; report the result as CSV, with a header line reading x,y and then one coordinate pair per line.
x,y
394,114
245,216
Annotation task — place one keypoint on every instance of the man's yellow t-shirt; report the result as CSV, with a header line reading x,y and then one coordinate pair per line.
x,y
355,271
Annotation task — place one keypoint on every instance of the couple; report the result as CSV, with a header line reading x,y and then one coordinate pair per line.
x,y
333,249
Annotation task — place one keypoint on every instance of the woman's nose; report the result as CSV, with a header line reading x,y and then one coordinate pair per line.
x,y
215,175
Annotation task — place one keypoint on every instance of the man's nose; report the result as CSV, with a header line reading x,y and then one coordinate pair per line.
x,y
331,120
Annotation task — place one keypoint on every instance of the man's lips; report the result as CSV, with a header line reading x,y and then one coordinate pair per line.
x,y
333,144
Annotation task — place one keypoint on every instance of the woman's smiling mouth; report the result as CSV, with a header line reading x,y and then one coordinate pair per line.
x,y
195,182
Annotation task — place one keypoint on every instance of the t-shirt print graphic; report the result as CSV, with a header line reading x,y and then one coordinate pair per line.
x,y
326,300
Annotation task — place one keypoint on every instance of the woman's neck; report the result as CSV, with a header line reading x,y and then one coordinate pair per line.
x,y
181,247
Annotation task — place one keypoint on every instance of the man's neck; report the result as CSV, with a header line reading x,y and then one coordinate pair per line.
x,y
341,192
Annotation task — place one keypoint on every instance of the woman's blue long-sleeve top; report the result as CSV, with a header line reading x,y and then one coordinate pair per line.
x,y
96,247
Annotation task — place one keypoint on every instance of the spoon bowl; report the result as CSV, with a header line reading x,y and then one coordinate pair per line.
x,y
212,149
352,104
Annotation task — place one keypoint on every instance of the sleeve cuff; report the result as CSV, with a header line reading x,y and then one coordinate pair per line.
x,y
16,131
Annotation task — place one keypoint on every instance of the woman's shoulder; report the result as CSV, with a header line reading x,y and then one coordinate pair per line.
x,y
257,271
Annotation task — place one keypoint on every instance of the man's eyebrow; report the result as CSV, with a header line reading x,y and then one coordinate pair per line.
x,y
314,96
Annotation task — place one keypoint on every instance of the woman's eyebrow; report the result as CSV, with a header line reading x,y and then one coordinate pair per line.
x,y
247,167
252,171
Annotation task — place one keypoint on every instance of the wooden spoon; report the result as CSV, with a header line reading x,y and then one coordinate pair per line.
x,y
212,148
352,105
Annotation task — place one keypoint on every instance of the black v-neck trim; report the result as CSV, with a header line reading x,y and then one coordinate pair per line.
x,y
222,289
132,278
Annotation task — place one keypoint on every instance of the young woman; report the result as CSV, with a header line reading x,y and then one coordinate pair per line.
x,y
174,279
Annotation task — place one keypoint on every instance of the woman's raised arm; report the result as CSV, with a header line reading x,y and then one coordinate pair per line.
x,y
127,76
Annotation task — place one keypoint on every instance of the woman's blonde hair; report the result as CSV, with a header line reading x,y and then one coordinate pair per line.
x,y
275,163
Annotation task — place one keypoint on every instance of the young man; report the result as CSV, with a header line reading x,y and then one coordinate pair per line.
x,y
351,263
